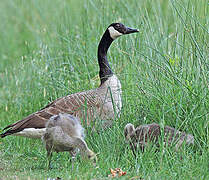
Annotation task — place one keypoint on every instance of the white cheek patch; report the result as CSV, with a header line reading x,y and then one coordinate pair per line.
x,y
114,33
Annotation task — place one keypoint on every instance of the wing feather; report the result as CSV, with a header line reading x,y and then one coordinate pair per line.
x,y
82,105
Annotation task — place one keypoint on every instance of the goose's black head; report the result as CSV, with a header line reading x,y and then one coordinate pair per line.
x,y
118,29
113,31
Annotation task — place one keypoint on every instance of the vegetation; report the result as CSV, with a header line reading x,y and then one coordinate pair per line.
x,y
49,49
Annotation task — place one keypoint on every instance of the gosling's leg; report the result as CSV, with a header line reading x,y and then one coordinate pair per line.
x,y
73,154
49,157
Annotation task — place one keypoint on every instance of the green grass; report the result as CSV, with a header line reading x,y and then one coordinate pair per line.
x,y
49,49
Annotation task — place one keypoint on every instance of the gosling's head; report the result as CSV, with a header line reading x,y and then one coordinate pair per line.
x,y
129,130
118,29
90,155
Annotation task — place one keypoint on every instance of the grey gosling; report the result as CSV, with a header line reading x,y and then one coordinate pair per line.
x,y
103,103
143,134
65,133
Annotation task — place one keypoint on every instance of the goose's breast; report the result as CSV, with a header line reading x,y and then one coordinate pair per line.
x,y
111,95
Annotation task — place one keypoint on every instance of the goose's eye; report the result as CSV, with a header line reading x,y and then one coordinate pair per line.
x,y
117,25
56,118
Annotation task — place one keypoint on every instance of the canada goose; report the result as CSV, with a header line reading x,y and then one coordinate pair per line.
x,y
65,133
140,136
103,102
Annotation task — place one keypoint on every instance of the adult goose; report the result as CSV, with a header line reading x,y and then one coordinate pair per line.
x,y
102,103
65,133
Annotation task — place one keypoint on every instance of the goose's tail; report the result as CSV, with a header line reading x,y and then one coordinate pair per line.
x,y
32,126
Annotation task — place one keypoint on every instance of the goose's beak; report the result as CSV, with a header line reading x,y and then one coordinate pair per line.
x,y
130,30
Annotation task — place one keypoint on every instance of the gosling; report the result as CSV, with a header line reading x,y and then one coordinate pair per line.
x,y
65,133
143,134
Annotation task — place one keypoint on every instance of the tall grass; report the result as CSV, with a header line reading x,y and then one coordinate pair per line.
x,y
49,49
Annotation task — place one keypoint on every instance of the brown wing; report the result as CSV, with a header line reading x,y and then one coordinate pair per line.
x,y
82,105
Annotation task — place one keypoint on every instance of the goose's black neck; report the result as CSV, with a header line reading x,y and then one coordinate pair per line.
x,y
105,70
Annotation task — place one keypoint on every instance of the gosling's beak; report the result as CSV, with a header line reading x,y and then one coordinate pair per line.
x,y
130,30
94,160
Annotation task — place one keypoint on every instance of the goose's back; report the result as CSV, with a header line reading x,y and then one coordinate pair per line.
x,y
89,106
